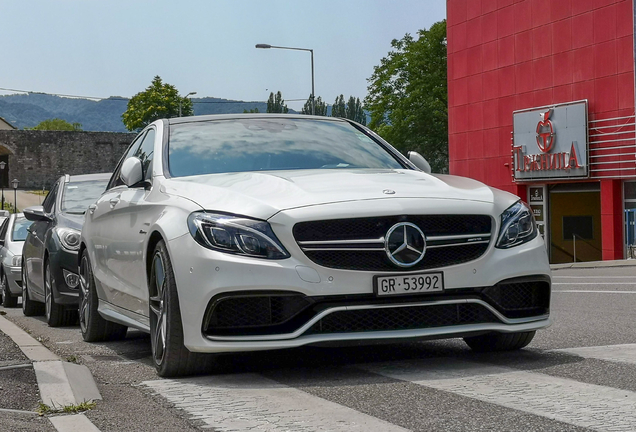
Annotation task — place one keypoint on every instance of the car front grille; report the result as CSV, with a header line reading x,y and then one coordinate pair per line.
x,y
519,299
403,318
359,243
254,313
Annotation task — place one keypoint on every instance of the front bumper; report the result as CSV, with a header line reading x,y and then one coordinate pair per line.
x,y
62,292
203,276
14,279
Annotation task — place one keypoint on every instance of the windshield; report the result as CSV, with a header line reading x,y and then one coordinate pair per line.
x,y
79,195
260,144
20,229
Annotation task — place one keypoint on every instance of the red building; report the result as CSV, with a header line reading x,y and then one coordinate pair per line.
x,y
514,58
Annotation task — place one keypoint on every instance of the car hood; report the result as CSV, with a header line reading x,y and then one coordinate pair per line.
x,y
69,220
263,194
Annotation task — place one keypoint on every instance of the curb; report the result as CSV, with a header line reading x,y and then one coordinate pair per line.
x,y
595,264
60,383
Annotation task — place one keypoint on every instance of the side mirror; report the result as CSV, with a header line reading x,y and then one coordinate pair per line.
x,y
36,214
419,161
132,172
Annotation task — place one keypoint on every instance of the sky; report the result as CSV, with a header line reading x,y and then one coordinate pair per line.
x,y
108,48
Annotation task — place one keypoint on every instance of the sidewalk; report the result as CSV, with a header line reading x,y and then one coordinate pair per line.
x,y
29,372
25,199
595,264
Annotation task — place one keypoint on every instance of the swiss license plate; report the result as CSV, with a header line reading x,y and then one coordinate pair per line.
x,y
414,283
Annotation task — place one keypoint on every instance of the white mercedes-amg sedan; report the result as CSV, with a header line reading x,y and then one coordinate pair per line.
x,y
256,232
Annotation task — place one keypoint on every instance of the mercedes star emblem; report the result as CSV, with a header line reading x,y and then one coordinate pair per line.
x,y
405,244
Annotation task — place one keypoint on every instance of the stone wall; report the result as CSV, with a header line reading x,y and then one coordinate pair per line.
x,y
38,158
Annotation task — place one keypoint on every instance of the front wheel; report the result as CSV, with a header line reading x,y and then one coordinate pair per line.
x,y
499,341
29,307
55,313
94,328
169,355
8,300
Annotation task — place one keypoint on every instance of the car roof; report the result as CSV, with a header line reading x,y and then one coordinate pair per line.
x,y
204,118
87,177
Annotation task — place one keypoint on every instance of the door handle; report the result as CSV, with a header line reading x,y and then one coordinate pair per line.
x,y
114,201
92,208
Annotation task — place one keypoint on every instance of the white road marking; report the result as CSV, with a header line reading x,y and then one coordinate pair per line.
x,y
617,353
592,277
586,405
594,291
251,402
593,283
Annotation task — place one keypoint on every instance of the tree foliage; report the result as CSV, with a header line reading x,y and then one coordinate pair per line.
x,y
276,104
339,109
355,112
408,96
251,111
159,100
57,124
321,107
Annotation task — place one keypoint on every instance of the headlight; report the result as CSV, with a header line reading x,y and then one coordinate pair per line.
x,y
236,234
517,226
69,237
16,261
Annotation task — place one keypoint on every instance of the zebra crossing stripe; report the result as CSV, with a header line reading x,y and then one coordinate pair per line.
x,y
586,405
615,353
244,402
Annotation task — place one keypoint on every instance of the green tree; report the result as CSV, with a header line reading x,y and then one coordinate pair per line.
x,y
276,104
355,112
251,111
159,100
321,107
408,96
339,109
57,124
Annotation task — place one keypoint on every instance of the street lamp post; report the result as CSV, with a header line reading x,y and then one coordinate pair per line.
x,y
180,99
3,165
313,101
15,183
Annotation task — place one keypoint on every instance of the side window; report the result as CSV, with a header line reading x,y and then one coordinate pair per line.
x,y
115,180
49,201
145,153
3,228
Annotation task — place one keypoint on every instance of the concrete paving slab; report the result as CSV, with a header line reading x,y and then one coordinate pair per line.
x,y
82,382
33,349
595,264
55,389
73,423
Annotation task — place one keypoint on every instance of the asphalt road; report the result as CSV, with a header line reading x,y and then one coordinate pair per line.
x,y
562,382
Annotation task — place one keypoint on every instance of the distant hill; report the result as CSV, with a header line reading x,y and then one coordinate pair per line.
x,y
27,110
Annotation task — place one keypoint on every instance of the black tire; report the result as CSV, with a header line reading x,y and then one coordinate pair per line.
x,y
56,315
29,307
8,300
94,328
169,355
499,341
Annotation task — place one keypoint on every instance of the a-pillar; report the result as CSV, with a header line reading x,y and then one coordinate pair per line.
x,y
612,219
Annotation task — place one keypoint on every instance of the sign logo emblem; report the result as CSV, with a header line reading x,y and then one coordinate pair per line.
x,y
405,244
545,132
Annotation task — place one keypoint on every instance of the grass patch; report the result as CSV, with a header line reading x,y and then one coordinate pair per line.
x,y
38,192
72,359
44,409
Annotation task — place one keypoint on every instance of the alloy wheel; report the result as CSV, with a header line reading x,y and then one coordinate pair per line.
x,y
47,293
158,309
84,306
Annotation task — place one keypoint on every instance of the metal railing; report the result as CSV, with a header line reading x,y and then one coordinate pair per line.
x,y
612,147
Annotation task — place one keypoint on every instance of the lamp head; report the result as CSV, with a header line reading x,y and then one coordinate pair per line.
x,y
265,46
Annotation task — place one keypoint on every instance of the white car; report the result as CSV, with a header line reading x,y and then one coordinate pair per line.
x,y
255,232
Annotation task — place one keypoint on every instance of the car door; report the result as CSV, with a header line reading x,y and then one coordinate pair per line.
x,y
33,252
3,239
131,215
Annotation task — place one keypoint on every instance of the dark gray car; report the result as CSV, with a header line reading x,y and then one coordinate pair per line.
x,y
49,265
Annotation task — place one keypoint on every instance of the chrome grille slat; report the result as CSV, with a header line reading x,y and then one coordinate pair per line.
x,y
346,243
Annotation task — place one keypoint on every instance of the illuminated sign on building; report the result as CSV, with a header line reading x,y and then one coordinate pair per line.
x,y
550,142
